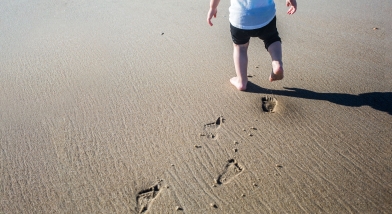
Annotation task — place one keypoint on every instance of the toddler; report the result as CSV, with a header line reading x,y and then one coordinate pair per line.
x,y
253,18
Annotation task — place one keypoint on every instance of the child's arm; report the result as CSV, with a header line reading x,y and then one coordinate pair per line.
x,y
213,10
292,4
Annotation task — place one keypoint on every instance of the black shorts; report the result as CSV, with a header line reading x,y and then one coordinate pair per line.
x,y
269,34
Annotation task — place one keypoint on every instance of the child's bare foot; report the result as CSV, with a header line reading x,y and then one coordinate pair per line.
x,y
240,85
277,71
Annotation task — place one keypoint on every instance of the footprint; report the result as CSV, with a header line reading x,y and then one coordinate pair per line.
x,y
232,169
269,104
210,128
146,197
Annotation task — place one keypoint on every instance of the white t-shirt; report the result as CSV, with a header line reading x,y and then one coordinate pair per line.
x,y
251,14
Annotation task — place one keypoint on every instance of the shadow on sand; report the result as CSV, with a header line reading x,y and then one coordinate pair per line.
x,y
381,101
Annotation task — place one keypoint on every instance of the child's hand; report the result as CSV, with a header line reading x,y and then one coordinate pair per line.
x,y
292,4
211,13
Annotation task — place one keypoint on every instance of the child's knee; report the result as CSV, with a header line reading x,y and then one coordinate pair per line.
x,y
242,47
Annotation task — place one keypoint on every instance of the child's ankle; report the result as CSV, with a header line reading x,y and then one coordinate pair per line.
x,y
239,83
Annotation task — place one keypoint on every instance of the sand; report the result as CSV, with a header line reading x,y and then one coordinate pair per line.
x,y
126,107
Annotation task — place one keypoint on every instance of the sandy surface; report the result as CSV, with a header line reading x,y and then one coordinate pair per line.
x,y
126,106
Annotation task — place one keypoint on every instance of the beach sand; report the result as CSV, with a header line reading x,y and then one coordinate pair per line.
x,y
126,107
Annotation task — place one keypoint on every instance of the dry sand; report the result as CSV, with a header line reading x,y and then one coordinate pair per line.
x,y
126,106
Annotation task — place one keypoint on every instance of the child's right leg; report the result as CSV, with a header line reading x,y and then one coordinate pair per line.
x,y
240,56
275,50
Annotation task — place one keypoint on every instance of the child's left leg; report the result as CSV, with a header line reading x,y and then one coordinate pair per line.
x,y
240,56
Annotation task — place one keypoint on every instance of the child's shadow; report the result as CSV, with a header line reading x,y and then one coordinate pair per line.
x,y
381,101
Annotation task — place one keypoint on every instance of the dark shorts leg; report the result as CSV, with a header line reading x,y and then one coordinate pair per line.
x,y
239,36
269,34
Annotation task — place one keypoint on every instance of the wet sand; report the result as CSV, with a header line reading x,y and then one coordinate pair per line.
x,y
126,107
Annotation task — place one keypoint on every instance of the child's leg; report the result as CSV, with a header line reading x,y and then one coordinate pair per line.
x,y
240,56
275,50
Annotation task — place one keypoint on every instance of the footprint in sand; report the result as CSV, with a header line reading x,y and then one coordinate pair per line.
x,y
210,128
146,197
269,104
232,169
